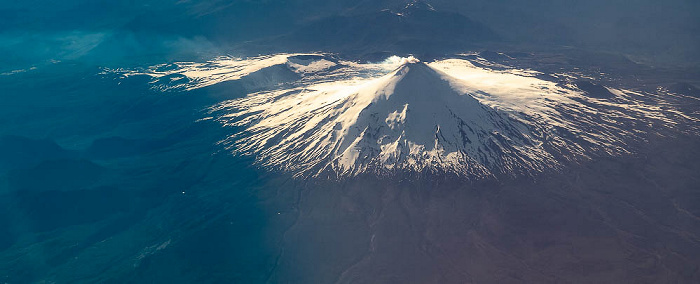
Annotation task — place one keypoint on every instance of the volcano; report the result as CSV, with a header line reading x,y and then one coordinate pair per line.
x,y
444,117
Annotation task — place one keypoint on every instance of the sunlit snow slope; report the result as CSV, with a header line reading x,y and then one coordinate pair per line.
x,y
341,119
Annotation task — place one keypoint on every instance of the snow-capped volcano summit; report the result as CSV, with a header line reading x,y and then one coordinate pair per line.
x,y
416,118
342,119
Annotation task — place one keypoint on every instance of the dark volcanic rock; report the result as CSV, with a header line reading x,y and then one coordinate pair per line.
x,y
594,90
416,28
685,89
